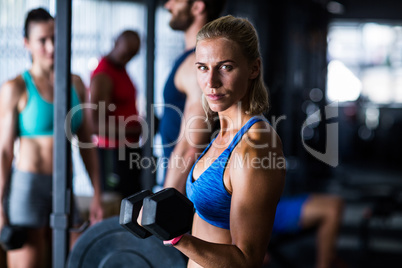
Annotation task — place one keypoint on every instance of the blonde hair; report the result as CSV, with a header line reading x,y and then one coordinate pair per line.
x,y
243,33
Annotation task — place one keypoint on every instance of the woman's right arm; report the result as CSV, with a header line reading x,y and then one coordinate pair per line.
x,y
10,94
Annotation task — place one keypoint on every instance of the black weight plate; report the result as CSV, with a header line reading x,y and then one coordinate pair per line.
x,y
109,245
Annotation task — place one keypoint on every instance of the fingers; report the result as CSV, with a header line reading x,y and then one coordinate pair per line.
x,y
96,213
140,217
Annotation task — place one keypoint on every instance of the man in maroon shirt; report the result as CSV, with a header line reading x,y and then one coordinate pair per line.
x,y
115,121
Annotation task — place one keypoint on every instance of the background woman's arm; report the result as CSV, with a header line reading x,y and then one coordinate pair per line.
x,y
89,157
10,94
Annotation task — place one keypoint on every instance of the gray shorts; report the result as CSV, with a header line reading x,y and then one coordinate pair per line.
x,y
29,200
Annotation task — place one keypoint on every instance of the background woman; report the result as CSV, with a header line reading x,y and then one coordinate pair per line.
x,y
26,112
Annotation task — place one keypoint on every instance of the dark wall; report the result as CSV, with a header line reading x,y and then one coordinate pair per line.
x,y
371,9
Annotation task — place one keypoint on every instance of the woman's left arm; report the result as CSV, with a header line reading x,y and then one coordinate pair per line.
x,y
89,155
256,188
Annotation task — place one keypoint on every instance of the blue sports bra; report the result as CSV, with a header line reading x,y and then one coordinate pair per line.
x,y
36,119
208,193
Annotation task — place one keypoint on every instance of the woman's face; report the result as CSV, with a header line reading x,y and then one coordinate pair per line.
x,y
224,73
40,43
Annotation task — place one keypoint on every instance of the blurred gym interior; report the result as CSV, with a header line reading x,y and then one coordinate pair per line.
x,y
334,71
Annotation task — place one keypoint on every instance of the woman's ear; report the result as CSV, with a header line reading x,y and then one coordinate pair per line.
x,y
198,7
255,69
26,43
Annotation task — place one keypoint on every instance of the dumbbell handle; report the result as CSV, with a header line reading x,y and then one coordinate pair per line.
x,y
129,211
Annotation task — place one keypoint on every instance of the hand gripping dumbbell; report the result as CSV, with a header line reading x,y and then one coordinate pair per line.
x,y
12,237
166,214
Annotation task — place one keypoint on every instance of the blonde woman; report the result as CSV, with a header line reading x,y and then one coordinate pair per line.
x,y
232,185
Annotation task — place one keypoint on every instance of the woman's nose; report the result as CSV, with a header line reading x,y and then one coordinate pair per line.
x,y
213,79
49,46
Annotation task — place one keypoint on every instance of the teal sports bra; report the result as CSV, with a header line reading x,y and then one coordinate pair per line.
x,y
36,119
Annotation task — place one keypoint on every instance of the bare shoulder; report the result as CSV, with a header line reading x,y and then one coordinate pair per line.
x,y
263,135
76,79
186,77
189,61
262,146
101,82
100,76
78,85
12,90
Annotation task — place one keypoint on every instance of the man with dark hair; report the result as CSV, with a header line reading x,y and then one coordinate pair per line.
x,y
183,128
113,91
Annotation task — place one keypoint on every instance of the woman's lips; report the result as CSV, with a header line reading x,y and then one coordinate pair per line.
x,y
215,96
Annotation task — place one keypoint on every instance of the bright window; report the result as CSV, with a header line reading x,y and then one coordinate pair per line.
x,y
365,60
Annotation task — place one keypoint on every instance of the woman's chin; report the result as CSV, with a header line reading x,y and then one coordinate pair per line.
x,y
216,108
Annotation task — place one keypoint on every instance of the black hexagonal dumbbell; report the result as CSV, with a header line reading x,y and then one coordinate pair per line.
x,y
166,214
12,237
129,211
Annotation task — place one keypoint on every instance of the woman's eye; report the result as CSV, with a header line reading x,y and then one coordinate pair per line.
x,y
202,68
227,67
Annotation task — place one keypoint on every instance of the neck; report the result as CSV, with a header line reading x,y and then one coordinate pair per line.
x,y
112,58
190,34
38,71
232,120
